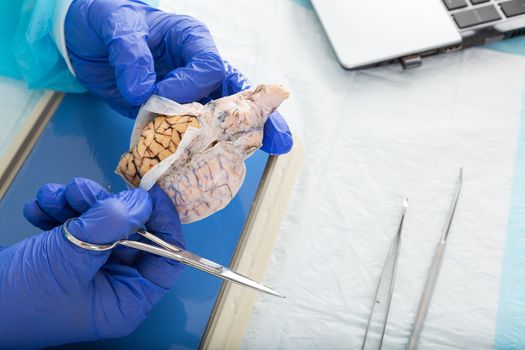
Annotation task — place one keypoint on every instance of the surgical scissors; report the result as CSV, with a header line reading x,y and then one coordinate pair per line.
x,y
174,252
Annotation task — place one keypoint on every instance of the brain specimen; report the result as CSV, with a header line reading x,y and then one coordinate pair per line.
x,y
197,156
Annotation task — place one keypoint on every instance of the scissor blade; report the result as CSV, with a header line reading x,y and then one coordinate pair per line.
x,y
245,281
188,258
215,269
193,260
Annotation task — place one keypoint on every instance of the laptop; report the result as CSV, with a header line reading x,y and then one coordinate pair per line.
x,y
368,33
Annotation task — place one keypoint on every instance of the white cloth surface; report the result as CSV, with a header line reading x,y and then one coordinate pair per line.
x,y
372,138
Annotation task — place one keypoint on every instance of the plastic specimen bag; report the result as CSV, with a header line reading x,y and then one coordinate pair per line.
x,y
196,152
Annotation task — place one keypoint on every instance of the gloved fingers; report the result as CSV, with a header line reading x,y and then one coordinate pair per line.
x,y
52,200
56,203
160,272
125,33
128,256
107,221
82,193
164,219
164,222
277,137
233,83
37,217
136,295
193,82
199,68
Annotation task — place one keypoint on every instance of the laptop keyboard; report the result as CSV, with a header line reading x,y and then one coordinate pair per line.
x,y
470,13
455,4
476,16
513,8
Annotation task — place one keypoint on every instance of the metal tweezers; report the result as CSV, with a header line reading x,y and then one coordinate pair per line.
x,y
433,272
381,305
171,251
387,281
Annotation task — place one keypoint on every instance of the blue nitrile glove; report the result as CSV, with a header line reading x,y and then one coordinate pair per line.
x,y
53,292
123,51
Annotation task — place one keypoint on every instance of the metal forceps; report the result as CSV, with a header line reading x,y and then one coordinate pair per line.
x,y
171,251
385,289
433,272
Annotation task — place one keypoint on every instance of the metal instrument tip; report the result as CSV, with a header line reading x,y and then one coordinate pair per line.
x,y
272,292
453,205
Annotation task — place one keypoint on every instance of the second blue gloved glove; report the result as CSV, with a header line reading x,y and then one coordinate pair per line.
x,y
52,292
124,51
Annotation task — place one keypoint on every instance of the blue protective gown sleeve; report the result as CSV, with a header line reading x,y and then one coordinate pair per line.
x,y
27,49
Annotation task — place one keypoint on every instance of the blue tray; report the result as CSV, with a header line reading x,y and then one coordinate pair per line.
x,y
85,138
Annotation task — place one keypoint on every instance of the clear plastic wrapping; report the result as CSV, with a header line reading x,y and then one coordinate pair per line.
x,y
207,168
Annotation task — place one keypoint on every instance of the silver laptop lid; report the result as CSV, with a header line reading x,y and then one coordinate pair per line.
x,y
364,32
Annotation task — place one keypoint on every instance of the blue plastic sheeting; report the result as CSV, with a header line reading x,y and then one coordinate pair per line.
x,y
515,46
510,321
85,138
27,50
304,3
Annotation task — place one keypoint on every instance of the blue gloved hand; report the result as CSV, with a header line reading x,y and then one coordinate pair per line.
x,y
53,292
123,51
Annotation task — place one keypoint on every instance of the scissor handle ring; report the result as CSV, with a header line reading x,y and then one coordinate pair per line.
x,y
85,245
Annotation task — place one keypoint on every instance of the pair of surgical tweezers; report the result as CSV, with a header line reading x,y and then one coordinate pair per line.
x,y
174,252
388,276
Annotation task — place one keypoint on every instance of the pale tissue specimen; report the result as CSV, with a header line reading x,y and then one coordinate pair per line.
x,y
207,146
